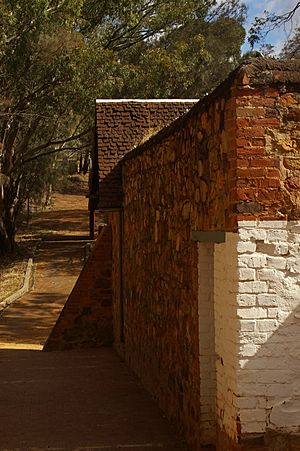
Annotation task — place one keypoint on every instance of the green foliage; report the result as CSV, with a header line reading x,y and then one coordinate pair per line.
x,y
57,56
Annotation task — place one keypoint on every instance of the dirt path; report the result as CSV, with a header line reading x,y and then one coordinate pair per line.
x,y
73,400
58,262
68,216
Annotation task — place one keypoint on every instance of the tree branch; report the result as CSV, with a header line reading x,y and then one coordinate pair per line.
x,y
262,26
61,141
50,152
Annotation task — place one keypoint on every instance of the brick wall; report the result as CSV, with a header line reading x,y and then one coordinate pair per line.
x,y
123,125
232,158
86,319
268,141
268,311
207,351
116,222
226,341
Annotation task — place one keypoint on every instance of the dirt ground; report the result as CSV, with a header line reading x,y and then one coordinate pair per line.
x,y
67,216
82,400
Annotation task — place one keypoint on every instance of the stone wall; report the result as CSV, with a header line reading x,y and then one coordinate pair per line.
x,y
86,319
123,125
178,184
234,157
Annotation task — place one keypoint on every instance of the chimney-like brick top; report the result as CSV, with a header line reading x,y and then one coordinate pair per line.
x,y
123,124
264,71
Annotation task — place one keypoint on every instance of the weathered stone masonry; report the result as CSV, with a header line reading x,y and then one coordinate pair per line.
x,y
231,164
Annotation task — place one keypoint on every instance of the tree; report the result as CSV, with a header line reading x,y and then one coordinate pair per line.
x,y
291,48
188,61
262,26
57,56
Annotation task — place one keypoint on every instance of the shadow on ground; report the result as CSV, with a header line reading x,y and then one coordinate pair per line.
x,y
77,400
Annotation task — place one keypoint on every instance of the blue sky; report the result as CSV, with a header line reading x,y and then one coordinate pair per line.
x,y
257,7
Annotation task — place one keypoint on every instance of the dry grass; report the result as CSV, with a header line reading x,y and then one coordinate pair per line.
x,y
12,273
13,266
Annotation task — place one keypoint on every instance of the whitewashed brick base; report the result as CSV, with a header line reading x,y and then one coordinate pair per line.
x,y
255,360
269,326
206,343
226,336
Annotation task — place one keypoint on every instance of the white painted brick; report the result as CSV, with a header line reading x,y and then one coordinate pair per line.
x,y
250,234
267,300
251,415
279,224
251,389
253,337
246,300
272,312
293,265
294,237
294,248
253,427
248,350
246,247
271,377
261,402
247,402
252,287
283,315
274,235
264,338
294,226
268,274
252,261
247,224
281,249
267,325
247,326
276,262
246,274
284,389
252,313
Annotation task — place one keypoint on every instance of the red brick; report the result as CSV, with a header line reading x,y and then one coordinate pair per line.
x,y
242,162
246,194
251,132
242,142
266,122
266,162
274,183
251,151
250,112
260,142
263,101
242,122
273,173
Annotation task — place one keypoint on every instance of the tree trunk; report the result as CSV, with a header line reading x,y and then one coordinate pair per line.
x,y
8,214
7,238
